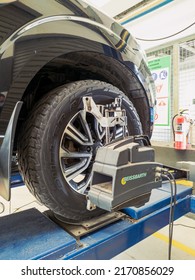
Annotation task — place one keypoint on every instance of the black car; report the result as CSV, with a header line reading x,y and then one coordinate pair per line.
x,y
52,54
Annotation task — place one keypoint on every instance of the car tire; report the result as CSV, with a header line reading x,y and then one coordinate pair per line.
x,y
54,139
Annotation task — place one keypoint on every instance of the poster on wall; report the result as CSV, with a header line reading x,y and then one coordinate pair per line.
x,y
161,72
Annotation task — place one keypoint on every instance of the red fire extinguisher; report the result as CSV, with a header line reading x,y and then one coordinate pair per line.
x,y
180,131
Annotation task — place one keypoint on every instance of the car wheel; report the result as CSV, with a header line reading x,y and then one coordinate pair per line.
x,y
58,144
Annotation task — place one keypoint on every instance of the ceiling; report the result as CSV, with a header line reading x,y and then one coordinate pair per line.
x,y
114,7
152,19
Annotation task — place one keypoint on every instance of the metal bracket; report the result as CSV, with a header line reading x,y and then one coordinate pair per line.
x,y
108,115
85,227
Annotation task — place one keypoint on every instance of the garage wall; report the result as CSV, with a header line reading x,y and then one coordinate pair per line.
x,y
182,86
186,74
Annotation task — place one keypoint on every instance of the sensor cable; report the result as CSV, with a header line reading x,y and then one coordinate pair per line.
x,y
169,176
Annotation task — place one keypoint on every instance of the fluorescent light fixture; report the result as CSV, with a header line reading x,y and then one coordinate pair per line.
x,y
140,9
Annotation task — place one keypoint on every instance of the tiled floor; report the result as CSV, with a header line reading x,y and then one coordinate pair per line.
x,y
154,247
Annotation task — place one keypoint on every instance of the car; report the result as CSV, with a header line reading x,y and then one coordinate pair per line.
x,y
52,55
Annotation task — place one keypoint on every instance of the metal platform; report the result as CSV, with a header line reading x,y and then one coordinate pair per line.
x,y
32,235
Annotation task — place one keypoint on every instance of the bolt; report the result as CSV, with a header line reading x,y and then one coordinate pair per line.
x,y
88,149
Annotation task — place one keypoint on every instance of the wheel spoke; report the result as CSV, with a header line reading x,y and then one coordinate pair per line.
x,y
85,125
119,132
84,184
99,130
83,138
76,135
75,170
64,153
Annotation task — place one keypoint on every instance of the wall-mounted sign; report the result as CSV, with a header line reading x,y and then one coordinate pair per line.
x,y
161,73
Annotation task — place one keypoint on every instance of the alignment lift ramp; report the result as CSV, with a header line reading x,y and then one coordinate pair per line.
x,y
139,197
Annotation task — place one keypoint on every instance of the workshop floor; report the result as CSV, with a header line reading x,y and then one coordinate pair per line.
x,y
154,247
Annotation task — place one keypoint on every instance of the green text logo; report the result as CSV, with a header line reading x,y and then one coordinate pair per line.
x,y
124,180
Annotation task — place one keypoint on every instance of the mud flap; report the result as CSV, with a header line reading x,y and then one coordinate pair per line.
x,y
6,153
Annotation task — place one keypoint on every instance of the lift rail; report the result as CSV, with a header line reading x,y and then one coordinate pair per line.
x,y
31,234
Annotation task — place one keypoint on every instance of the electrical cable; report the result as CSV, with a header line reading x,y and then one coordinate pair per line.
x,y
173,182
27,204
171,214
166,37
175,185
166,174
173,205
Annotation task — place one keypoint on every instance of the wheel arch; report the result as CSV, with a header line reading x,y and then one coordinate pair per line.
x,y
83,65
31,53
